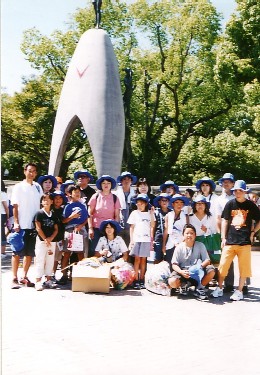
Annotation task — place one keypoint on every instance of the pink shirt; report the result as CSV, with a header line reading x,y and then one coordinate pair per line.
x,y
104,208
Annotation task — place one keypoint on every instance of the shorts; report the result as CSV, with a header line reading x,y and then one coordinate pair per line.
x,y
206,270
58,251
141,249
29,240
243,253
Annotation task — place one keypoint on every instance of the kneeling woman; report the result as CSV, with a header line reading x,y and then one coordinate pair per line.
x,y
110,242
187,255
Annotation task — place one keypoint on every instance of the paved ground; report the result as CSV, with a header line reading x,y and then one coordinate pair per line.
x,y
128,332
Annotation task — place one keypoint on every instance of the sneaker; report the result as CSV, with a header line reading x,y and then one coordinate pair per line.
x,y
38,286
26,282
201,294
15,284
49,284
228,289
237,295
136,285
63,280
142,286
218,292
183,290
53,279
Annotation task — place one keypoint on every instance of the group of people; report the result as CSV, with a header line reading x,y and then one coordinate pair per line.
x,y
197,233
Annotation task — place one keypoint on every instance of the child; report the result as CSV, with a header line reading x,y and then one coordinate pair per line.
x,y
47,229
75,218
141,225
59,201
111,242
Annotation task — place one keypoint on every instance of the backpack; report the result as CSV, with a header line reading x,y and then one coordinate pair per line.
x,y
114,197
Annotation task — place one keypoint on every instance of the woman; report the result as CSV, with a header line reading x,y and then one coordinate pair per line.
x,y
111,245
206,228
170,188
142,187
48,183
174,224
161,204
206,187
103,205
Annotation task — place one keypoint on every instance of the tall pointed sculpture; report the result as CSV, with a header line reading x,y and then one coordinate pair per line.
x,y
91,94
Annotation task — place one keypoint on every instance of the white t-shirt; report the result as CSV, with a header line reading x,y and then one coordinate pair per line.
x,y
175,228
27,197
117,246
208,221
222,201
142,223
4,198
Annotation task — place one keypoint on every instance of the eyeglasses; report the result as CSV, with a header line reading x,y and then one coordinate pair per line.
x,y
83,176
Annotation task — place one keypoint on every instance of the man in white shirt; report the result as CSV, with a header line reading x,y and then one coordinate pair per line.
x,y
25,199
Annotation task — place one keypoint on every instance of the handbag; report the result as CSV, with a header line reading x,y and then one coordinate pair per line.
x,y
75,241
213,246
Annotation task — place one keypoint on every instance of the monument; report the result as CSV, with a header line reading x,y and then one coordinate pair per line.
x,y
91,94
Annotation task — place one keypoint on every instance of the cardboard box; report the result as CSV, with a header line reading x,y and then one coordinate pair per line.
x,y
91,279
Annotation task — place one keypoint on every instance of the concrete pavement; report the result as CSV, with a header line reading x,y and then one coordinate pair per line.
x,y
128,332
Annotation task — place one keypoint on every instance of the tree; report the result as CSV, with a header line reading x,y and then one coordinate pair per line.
x,y
188,87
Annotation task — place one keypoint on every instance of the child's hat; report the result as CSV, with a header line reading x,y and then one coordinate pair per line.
x,y
15,240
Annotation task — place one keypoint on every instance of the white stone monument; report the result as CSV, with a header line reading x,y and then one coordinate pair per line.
x,y
91,94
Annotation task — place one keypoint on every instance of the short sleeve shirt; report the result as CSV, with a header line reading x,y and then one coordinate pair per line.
x,y
240,216
47,222
104,207
27,197
142,222
184,256
117,246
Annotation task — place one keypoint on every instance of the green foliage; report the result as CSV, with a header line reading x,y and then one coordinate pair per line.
x,y
193,105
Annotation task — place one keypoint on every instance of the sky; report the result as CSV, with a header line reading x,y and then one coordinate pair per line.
x,y
47,16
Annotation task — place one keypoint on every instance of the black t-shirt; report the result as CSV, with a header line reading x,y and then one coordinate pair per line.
x,y
87,193
61,227
240,216
47,222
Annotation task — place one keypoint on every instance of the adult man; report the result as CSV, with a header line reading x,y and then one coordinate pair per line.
x,y
84,178
25,199
237,234
227,183
125,192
